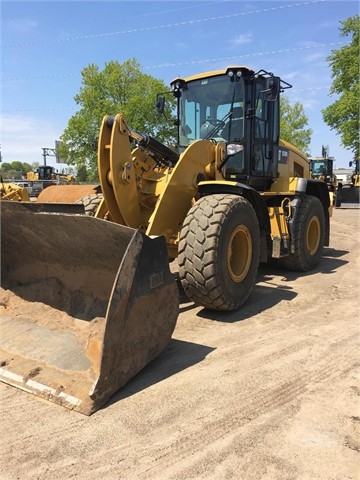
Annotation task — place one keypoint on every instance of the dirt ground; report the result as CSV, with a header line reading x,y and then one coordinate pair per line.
x,y
268,392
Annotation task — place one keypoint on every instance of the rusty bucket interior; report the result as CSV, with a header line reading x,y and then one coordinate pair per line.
x,y
85,305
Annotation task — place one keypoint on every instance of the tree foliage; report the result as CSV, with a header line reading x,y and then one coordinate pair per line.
x,y
343,114
15,170
292,125
117,88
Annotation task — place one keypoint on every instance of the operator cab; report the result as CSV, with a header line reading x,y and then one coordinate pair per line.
x,y
45,172
322,169
239,107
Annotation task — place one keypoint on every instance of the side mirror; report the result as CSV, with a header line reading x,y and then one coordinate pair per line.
x,y
272,88
160,105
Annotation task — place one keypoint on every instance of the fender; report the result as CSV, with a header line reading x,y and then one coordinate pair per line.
x,y
319,189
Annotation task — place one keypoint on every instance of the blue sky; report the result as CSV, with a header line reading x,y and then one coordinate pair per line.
x,y
46,44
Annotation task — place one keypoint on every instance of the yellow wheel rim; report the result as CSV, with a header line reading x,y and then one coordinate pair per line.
x,y
313,235
239,253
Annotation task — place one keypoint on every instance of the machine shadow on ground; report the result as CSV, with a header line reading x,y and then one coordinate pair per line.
x,y
267,292
263,297
177,356
330,262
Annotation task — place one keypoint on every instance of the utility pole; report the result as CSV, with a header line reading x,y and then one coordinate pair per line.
x,y
49,152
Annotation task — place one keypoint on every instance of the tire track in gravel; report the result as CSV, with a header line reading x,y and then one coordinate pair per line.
x,y
281,394
263,403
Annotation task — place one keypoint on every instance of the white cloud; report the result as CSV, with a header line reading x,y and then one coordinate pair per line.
x,y
21,24
329,24
290,75
23,138
315,57
181,45
311,103
241,39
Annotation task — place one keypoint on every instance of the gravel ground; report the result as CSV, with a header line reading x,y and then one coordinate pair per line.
x,y
268,392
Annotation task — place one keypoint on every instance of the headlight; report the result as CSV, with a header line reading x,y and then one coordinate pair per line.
x,y
233,148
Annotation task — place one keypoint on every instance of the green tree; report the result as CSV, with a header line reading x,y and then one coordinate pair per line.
x,y
117,88
35,166
343,114
292,125
82,174
5,167
27,167
16,169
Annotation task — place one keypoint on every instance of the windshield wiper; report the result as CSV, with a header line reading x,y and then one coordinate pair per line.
x,y
217,127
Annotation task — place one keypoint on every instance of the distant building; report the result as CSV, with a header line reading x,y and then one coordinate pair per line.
x,y
343,175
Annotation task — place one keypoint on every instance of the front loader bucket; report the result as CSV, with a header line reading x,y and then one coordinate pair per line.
x,y
349,194
85,305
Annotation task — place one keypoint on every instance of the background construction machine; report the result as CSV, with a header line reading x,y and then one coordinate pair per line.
x,y
46,176
322,168
47,173
350,193
228,195
12,191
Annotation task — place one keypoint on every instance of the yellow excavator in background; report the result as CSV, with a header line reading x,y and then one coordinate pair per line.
x,y
228,195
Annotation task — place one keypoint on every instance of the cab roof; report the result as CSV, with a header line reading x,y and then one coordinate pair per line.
x,y
245,70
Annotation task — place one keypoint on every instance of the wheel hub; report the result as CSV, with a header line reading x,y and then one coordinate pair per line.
x,y
239,253
313,235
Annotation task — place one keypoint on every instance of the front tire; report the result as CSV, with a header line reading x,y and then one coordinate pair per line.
x,y
219,251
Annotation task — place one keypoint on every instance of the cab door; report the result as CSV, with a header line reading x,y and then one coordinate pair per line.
x,y
265,126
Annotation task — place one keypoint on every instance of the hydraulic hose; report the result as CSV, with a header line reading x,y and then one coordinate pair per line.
x,y
145,141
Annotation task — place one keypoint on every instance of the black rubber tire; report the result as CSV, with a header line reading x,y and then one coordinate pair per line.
x,y
91,203
213,272
308,238
337,201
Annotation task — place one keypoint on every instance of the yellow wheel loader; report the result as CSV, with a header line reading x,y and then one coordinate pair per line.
x,y
45,176
14,192
48,174
322,168
228,195
350,193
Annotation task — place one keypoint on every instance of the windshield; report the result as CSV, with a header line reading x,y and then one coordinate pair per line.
x,y
205,109
319,167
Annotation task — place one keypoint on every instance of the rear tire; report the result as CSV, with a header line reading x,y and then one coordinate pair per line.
x,y
219,251
308,238
91,203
